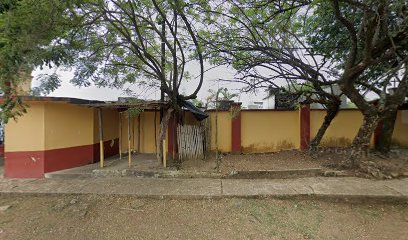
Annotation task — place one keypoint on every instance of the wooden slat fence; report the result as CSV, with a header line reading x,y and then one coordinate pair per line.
x,y
191,141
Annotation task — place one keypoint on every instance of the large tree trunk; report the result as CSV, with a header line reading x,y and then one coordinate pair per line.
x,y
332,110
383,145
361,142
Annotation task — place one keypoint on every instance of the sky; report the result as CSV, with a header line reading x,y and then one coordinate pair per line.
x,y
211,81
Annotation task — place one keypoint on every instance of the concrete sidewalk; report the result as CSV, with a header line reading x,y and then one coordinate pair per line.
x,y
309,188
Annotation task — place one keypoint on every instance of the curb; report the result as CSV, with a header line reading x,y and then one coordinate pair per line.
x,y
250,174
277,174
319,197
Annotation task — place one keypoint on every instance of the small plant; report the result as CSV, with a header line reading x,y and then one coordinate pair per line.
x,y
234,111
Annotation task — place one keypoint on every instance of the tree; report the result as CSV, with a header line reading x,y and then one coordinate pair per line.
x,y
263,41
147,43
368,41
27,27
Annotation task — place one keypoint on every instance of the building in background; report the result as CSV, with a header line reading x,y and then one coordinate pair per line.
x,y
278,99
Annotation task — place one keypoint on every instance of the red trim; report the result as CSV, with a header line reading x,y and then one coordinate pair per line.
x,y
108,149
1,150
59,159
34,164
24,164
304,127
236,129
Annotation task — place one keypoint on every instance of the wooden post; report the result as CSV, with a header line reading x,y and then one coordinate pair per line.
x,y
120,135
129,151
164,154
133,135
138,134
101,163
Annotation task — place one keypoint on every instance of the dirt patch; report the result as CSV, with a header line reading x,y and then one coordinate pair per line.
x,y
329,159
290,159
94,217
395,165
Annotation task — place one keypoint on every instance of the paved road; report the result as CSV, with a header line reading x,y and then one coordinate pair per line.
x,y
199,188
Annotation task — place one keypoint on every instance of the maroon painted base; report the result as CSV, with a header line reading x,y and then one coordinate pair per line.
x,y
110,148
24,164
1,150
304,127
34,164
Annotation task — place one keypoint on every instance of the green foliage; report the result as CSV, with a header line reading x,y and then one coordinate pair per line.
x,y
106,43
27,28
134,112
13,108
331,39
197,102
119,42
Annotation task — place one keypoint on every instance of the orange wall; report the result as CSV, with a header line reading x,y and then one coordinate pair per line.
x,y
269,131
147,129
400,136
27,132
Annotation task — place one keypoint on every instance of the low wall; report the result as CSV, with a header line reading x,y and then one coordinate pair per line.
x,y
341,131
269,131
400,136
274,130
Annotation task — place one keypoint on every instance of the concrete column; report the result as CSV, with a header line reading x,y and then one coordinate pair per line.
x,y
304,127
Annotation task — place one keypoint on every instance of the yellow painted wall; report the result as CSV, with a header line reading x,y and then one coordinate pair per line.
x,y
68,125
55,125
189,119
269,131
147,129
400,135
341,131
110,122
224,131
27,133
